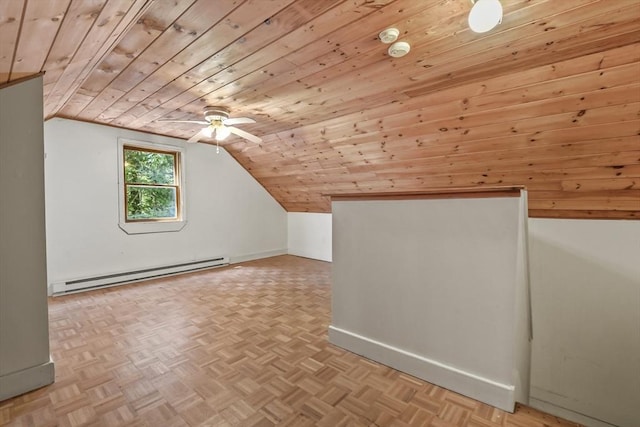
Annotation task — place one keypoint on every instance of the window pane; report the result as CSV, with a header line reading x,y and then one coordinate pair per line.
x,y
151,202
148,167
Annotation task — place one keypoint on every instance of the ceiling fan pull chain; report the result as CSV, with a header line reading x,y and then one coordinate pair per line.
x,y
217,147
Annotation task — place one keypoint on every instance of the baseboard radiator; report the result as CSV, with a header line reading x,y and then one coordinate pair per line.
x,y
102,281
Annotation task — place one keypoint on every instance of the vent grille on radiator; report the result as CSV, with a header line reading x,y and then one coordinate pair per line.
x,y
135,275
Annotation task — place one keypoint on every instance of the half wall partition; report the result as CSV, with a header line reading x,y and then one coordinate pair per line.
x,y
435,284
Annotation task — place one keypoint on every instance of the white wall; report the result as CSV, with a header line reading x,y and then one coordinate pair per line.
x,y
585,282
24,327
436,288
310,235
228,212
586,317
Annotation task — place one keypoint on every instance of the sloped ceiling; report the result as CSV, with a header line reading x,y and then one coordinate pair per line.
x,y
550,99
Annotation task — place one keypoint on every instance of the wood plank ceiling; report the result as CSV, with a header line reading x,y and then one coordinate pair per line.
x,y
550,99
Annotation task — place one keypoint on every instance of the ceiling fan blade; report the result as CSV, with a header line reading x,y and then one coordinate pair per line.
x,y
199,122
238,121
197,136
245,134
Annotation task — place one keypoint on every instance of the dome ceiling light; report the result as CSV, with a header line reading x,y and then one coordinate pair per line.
x,y
485,15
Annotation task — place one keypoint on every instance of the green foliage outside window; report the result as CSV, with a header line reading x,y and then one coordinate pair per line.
x,y
151,189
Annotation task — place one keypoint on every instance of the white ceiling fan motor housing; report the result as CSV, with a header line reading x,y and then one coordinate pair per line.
x,y
215,114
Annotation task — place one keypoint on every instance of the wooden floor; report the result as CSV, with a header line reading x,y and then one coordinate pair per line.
x,y
240,346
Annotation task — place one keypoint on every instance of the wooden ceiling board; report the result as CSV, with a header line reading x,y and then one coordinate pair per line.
x,y
10,24
545,44
160,73
115,18
339,52
549,99
484,67
234,26
325,105
146,30
43,20
200,80
69,38
467,96
186,30
196,96
454,104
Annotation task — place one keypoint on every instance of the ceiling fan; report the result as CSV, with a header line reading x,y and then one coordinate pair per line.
x,y
218,124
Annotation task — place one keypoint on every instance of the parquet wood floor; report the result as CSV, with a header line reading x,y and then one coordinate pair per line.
x,y
240,346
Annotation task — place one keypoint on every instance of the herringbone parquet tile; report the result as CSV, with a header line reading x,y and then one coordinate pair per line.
x,y
240,346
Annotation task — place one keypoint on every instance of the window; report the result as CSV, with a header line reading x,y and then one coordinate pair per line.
x,y
152,192
151,188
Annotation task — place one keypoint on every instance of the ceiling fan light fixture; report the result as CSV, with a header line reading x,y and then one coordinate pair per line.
x,y
222,132
485,15
218,124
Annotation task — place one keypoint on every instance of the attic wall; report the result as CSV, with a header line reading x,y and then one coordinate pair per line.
x,y
585,290
585,295
227,212
309,235
24,325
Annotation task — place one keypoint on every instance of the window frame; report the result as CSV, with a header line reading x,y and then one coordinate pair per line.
x,y
175,185
155,225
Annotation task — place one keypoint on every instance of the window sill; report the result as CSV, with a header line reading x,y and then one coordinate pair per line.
x,y
151,227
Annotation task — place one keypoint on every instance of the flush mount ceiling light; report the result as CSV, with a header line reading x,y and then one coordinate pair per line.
x,y
389,35
399,49
485,15
222,132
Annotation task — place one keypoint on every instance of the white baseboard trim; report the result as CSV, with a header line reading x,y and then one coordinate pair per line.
x,y
485,390
23,381
257,255
308,254
567,414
